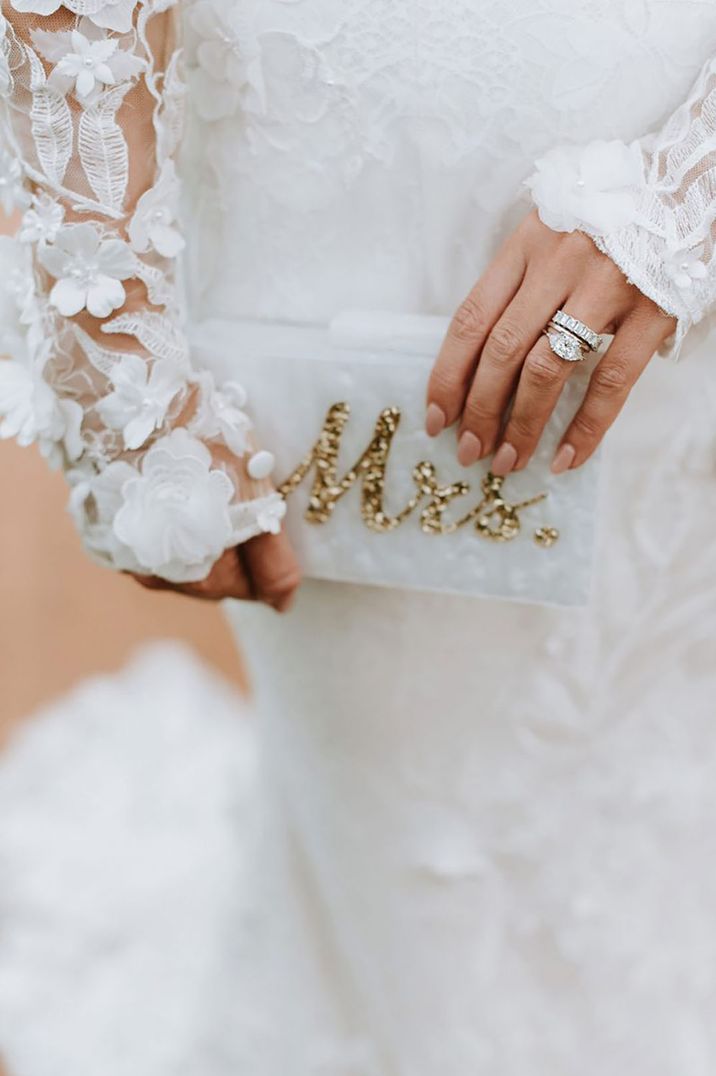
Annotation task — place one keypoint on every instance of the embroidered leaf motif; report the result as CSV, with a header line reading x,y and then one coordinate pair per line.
x,y
102,359
160,289
161,337
103,149
51,122
37,71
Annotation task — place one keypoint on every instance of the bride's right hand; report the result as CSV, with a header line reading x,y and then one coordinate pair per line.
x,y
264,569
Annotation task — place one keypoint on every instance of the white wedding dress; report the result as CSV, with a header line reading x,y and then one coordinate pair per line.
x,y
487,843
489,820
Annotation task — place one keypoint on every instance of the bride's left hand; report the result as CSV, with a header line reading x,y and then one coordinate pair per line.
x,y
495,349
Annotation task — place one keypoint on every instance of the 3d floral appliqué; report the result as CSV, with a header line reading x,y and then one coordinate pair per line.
x,y
142,394
41,223
154,223
175,514
86,60
113,15
594,186
89,271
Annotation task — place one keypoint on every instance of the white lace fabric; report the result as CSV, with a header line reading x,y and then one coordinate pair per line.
x,y
160,460
649,204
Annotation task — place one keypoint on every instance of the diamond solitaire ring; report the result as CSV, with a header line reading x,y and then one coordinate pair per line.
x,y
579,329
565,345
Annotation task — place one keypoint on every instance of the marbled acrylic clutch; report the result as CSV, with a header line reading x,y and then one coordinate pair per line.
x,y
371,498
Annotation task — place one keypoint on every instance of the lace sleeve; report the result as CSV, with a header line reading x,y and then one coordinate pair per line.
x,y
160,461
649,205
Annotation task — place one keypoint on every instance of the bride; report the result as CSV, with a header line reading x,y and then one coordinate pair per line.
x,y
486,841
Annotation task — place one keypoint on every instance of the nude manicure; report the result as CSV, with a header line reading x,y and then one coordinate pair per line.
x,y
505,459
435,420
564,459
469,449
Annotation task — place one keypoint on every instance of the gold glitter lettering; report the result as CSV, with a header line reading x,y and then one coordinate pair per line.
x,y
494,518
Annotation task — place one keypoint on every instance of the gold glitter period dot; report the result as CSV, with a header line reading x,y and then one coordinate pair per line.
x,y
546,536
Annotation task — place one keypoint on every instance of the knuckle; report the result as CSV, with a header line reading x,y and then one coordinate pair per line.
x,y
469,322
586,426
580,247
611,378
522,427
606,273
543,372
479,412
446,381
505,342
570,256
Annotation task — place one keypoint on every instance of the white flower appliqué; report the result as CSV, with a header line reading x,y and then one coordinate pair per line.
x,y
86,60
87,64
270,512
153,225
593,187
112,15
42,222
31,412
220,415
141,397
685,267
175,517
89,271
94,502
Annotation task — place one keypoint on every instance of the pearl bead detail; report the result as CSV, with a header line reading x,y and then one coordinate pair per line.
x,y
261,465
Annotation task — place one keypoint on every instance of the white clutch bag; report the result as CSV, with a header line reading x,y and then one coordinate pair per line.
x,y
371,498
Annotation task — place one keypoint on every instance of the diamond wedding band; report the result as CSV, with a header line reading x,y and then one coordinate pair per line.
x,y
570,338
579,329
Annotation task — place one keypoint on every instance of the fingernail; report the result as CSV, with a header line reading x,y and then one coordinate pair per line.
x,y
435,420
469,449
505,459
564,459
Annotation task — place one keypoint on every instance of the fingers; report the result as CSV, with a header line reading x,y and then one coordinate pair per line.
x,y
503,355
469,329
227,579
612,381
264,569
542,380
273,569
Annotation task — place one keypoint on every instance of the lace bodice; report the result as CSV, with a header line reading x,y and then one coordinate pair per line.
x,y
340,154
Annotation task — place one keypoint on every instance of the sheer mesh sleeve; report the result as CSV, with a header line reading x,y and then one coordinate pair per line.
x,y
160,460
650,205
